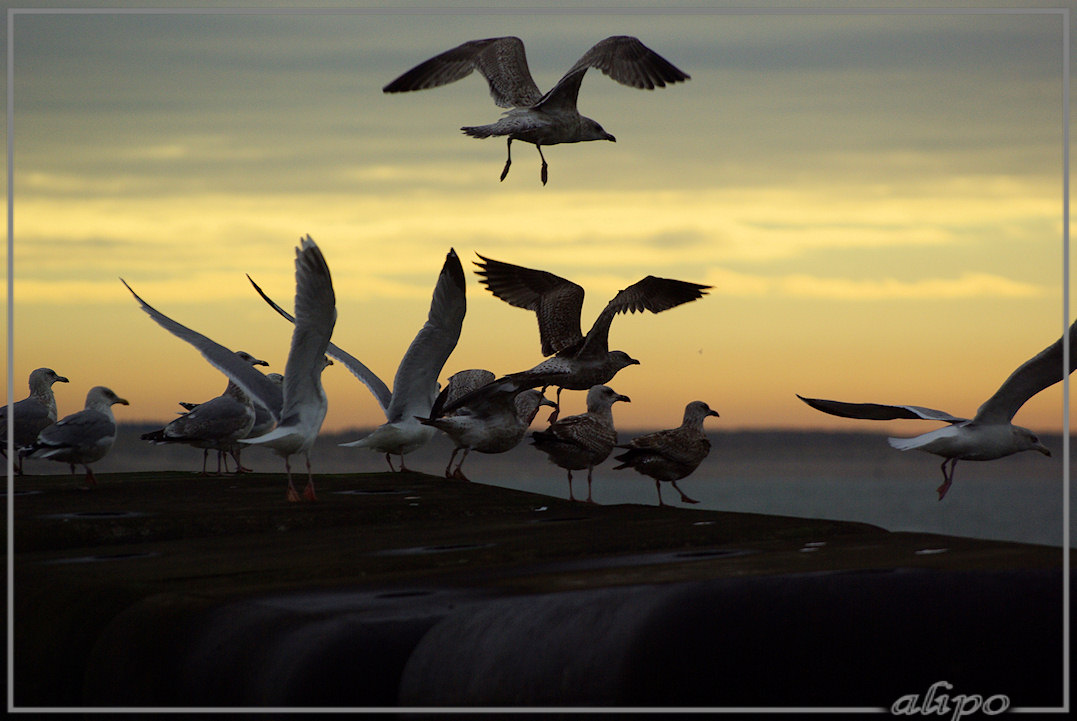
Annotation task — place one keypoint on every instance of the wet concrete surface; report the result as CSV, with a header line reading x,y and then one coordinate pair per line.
x,y
171,589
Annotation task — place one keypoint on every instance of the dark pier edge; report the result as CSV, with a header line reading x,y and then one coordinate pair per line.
x,y
170,589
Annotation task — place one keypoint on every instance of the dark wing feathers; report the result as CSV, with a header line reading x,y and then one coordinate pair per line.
x,y
556,302
501,61
878,411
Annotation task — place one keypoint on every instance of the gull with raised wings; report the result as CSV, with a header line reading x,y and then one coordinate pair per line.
x,y
988,435
533,116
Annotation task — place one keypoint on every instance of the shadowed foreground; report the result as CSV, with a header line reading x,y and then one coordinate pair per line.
x,y
168,589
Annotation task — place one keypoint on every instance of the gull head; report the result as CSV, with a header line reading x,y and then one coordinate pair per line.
x,y
620,359
1026,440
591,130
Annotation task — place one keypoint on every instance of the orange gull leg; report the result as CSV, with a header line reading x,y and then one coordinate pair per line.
x,y
684,498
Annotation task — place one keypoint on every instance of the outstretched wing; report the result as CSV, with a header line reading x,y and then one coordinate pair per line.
x,y
415,383
365,375
500,60
1037,373
650,294
253,383
315,316
556,302
621,57
878,411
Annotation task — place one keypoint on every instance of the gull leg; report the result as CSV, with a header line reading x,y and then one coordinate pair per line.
x,y
291,494
508,160
556,405
658,487
543,172
570,496
90,480
402,466
205,457
448,473
458,473
684,498
589,469
947,478
308,492
389,460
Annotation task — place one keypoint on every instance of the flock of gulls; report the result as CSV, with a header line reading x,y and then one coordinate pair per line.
x,y
477,409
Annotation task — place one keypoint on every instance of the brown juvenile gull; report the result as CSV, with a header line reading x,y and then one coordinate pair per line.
x,y
493,421
80,438
415,386
584,440
215,424
579,362
990,434
672,454
32,414
534,117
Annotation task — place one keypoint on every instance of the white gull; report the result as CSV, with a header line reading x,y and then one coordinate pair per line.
x,y
415,386
988,435
32,414
80,438
534,117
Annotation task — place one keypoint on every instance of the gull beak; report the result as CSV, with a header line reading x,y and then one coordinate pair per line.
x,y
626,399
547,402
61,379
611,138
122,401
1043,449
714,413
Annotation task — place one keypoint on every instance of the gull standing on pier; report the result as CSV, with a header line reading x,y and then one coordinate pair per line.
x,y
672,454
584,440
80,438
534,117
415,386
32,414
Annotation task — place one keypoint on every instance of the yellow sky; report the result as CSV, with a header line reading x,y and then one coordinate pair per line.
x,y
875,199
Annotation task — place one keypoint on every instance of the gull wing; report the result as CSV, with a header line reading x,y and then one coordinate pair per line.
x,y
878,411
621,57
83,429
1034,375
650,294
501,61
556,302
315,316
415,384
366,376
253,383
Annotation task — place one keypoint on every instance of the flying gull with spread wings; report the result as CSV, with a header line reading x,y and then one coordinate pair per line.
x,y
990,434
415,386
535,117
578,361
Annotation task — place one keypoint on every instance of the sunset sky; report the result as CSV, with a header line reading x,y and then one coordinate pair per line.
x,y
876,199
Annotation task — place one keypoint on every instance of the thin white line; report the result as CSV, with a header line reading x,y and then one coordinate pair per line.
x,y
10,440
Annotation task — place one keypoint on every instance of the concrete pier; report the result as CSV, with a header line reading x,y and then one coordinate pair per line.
x,y
171,589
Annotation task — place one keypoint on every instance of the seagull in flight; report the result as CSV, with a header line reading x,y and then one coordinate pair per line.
x,y
534,117
415,386
990,434
578,361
